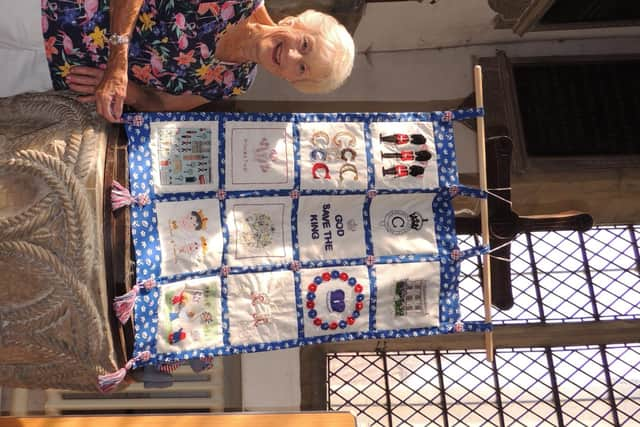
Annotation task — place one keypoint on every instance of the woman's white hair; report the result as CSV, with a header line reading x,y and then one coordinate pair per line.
x,y
335,45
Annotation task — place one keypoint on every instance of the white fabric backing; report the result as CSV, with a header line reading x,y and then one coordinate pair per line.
x,y
330,227
262,308
423,275
185,245
402,224
259,155
188,315
259,231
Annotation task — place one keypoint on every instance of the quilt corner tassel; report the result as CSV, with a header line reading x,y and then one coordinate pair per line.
x,y
121,197
123,304
109,382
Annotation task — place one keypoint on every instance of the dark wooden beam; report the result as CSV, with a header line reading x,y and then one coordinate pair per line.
x,y
117,248
313,378
506,336
505,224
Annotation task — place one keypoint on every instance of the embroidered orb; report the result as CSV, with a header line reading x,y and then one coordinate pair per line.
x,y
344,276
333,325
312,314
310,304
358,288
335,274
352,281
317,321
312,287
317,280
326,276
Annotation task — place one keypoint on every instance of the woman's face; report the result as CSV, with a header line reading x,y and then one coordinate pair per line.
x,y
293,53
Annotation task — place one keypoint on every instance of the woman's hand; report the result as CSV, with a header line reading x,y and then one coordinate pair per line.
x,y
109,94
112,90
85,80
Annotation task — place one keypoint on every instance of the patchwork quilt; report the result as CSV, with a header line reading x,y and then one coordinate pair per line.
x,y
269,231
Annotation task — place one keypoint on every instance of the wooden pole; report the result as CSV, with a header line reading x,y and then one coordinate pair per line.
x,y
484,210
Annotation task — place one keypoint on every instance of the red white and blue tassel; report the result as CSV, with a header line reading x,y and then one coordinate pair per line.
x,y
207,363
109,382
123,305
168,368
121,197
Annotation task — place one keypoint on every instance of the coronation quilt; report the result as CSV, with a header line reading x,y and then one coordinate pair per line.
x,y
268,231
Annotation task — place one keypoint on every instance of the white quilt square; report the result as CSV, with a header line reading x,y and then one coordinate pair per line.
x,y
190,236
259,230
335,300
331,227
189,315
258,155
405,155
408,295
403,224
332,156
185,156
262,308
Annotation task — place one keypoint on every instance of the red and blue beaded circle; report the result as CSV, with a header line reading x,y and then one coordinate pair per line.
x,y
311,300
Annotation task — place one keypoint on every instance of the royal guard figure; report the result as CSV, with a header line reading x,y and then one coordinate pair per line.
x,y
408,155
179,299
177,336
402,138
400,171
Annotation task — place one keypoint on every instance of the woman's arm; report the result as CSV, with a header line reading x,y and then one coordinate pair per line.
x,y
148,99
84,81
112,90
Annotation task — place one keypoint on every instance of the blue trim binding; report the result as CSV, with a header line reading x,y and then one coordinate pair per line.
x,y
146,239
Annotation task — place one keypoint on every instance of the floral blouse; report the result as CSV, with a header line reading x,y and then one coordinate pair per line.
x,y
172,47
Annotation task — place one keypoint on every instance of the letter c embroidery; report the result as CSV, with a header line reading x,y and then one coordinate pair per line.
x,y
320,166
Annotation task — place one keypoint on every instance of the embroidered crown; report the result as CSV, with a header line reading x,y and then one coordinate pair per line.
x,y
416,221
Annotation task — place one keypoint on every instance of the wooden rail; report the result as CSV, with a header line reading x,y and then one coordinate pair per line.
x,y
311,419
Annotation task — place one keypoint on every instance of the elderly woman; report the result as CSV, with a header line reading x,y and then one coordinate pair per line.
x,y
157,55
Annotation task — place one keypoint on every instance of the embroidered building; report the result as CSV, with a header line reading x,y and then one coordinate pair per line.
x,y
410,297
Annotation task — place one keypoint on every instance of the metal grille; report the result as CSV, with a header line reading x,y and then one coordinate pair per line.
x,y
564,277
557,277
585,386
